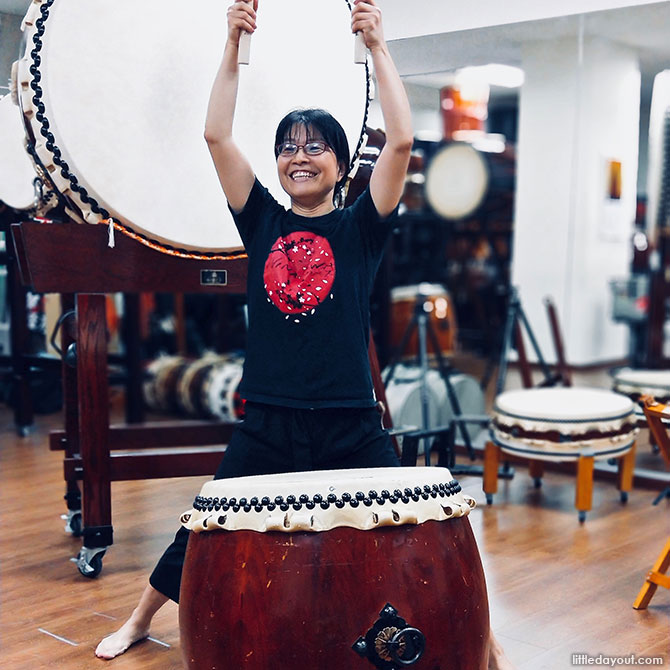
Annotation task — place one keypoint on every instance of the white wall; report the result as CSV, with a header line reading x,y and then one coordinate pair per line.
x,y
570,239
429,17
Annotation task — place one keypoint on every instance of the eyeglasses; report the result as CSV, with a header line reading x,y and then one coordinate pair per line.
x,y
288,149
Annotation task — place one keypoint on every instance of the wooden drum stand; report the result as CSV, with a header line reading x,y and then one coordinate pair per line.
x,y
75,259
656,413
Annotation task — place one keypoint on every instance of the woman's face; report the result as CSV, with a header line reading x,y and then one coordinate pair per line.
x,y
309,180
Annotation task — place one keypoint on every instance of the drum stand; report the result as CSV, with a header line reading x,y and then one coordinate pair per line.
x,y
445,435
516,317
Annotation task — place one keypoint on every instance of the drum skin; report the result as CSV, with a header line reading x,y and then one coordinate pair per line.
x,y
301,600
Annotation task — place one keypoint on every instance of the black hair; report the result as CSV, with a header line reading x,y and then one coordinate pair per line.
x,y
329,129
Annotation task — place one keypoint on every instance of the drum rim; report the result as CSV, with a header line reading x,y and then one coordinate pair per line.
x,y
79,192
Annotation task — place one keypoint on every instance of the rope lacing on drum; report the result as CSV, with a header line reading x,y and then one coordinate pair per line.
x,y
65,171
368,499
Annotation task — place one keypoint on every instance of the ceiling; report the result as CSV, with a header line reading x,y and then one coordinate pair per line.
x,y
427,59
645,28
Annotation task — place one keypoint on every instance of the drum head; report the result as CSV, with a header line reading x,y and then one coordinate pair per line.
x,y
563,404
16,168
125,88
456,181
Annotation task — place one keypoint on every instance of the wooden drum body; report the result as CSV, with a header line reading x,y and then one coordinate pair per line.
x,y
333,570
436,302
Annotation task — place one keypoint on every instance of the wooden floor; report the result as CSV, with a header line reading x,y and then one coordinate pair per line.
x,y
555,587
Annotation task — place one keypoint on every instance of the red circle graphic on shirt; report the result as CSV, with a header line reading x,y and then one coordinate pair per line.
x,y
299,272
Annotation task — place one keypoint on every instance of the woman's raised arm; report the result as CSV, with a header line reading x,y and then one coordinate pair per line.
x,y
233,168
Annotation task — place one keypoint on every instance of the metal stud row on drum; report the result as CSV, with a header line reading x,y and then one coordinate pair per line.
x,y
442,490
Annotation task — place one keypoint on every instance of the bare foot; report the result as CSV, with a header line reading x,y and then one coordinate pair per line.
x,y
116,643
497,658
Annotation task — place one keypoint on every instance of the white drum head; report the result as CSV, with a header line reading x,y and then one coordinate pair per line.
x,y
456,181
125,87
16,168
569,405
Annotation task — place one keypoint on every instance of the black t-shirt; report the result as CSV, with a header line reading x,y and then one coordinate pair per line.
x,y
308,293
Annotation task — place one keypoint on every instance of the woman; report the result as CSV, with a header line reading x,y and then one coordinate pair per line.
x,y
307,382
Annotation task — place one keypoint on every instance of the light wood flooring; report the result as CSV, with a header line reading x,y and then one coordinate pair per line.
x,y
556,587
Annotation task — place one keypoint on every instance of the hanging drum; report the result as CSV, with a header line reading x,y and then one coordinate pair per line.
x,y
350,569
456,181
114,96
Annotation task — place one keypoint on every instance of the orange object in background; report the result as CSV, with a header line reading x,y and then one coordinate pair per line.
x,y
463,109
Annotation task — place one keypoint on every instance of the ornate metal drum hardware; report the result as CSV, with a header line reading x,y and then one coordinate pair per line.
x,y
391,643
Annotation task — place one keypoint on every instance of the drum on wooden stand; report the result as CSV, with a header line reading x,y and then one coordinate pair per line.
x,y
334,569
116,112
582,425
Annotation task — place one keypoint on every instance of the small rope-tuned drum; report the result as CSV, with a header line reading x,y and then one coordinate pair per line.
x,y
638,383
562,424
333,569
161,379
219,394
436,302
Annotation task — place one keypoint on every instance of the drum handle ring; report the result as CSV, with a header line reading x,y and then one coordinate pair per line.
x,y
418,640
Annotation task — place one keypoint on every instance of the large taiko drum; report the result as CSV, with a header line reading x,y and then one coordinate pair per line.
x,y
562,424
114,98
336,569
436,302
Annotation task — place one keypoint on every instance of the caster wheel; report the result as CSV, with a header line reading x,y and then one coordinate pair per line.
x,y
582,516
624,496
489,499
89,563
537,482
74,524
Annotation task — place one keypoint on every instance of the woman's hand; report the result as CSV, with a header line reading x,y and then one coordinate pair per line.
x,y
241,19
366,18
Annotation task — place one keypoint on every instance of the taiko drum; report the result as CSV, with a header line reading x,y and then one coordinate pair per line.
x,y
333,570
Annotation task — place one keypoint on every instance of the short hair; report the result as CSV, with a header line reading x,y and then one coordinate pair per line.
x,y
327,126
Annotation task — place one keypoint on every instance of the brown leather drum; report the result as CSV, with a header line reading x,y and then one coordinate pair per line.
x,y
436,301
348,569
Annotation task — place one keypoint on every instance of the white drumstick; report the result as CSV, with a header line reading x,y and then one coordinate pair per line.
x,y
244,49
244,46
360,50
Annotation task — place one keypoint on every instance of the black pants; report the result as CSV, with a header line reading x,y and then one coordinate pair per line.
x,y
275,439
